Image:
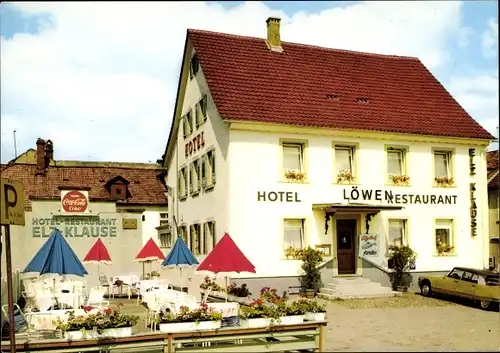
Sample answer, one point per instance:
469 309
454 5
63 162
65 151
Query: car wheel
484 304
425 289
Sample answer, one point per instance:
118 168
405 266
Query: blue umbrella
180 256
57 258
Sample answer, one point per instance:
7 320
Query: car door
466 285
447 285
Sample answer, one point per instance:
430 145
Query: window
163 219
209 237
195 178
293 157
208 170
456 273
344 163
183 182
395 161
165 240
442 164
444 236
194 66
195 239
293 233
397 232
188 124
201 111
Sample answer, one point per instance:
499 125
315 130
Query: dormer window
118 188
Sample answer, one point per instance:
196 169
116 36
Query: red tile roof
320 87
493 171
145 187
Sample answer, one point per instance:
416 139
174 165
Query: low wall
376 274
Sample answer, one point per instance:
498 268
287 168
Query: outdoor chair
96 296
21 324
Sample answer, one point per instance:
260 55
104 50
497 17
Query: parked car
481 286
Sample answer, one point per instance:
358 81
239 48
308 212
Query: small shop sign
369 245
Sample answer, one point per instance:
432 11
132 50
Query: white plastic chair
96 296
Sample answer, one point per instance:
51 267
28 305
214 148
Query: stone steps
351 287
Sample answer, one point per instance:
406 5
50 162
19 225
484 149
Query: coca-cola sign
75 202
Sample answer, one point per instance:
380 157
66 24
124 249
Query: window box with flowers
345 176
399 179
295 176
201 318
314 311
293 253
98 322
444 182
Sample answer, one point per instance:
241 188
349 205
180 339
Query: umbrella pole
226 289
143 265
181 277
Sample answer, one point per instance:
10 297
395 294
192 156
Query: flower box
75 335
291 320
117 332
315 316
189 326
255 322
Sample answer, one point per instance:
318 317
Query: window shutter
190 179
198 171
179 184
204 107
203 171
184 130
213 167
195 114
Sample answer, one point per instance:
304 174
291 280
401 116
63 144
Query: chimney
40 157
273 34
49 153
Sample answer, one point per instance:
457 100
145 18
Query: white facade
249 159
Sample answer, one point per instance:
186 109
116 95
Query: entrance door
346 230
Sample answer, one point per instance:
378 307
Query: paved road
445 328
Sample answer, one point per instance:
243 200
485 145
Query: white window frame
402 160
351 150
163 218
447 160
293 224
447 224
165 240
195 239
182 231
187 125
300 147
209 170
194 178
201 111
183 183
403 223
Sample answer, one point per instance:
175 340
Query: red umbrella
150 252
226 258
98 254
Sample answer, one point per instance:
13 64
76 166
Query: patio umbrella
180 256
98 254
56 257
226 258
150 252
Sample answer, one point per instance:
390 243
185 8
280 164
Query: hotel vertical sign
472 192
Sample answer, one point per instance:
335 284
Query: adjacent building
493 194
124 204
286 145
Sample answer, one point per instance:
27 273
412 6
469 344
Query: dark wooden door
346 232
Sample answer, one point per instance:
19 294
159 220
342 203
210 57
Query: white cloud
479 97
101 80
490 39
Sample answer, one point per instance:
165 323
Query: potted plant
314 311
345 175
399 179
154 274
289 252
209 284
444 249
401 258
311 280
290 314
444 181
111 322
74 327
258 314
240 292
296 175
201 318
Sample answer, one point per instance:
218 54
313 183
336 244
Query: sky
99 79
